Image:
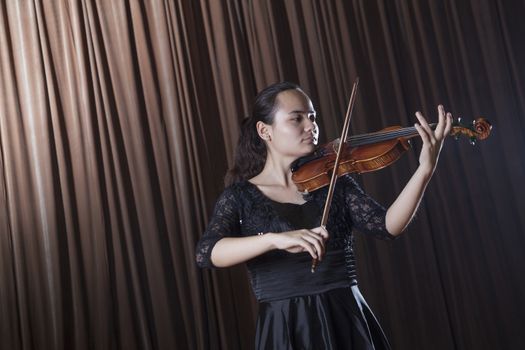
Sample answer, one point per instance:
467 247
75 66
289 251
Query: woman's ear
264 131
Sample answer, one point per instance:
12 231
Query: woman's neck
276 172
275 182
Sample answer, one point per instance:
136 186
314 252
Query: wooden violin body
368 152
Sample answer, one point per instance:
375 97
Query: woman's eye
300 117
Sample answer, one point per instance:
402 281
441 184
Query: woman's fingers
448 125
309 248
321 230
311 241
440 128
424 126
316 241
422 133
433 139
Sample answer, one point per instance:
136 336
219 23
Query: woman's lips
309 139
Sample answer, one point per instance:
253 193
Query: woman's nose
310 125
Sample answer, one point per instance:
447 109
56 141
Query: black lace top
243 210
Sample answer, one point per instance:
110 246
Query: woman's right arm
231 251
222 245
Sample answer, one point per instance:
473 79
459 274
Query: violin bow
333 179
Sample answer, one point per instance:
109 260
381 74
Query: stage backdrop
118 120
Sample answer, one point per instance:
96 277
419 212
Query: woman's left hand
432 139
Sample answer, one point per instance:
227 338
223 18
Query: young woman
262 219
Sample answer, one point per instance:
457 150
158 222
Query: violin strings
380 136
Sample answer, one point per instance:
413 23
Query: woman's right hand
311 241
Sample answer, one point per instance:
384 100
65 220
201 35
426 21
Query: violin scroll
478 130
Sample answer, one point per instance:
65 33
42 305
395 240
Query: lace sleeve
223 223
368 216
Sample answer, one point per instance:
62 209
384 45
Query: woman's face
294 132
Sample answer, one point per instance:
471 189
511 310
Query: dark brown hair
250 154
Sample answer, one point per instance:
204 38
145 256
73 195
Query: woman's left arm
401 212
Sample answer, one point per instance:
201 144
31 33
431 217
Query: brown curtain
118 120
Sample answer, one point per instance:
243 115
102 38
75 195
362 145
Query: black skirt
336 319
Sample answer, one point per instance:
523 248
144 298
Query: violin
369 152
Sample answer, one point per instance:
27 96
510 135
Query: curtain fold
118 121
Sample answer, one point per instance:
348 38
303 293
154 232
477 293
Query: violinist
261 219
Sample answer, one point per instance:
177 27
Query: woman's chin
311 147
306 151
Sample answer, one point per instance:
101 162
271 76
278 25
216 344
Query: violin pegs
456 137
473 141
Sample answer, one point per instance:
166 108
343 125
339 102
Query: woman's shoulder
238 186
237 189
239 196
